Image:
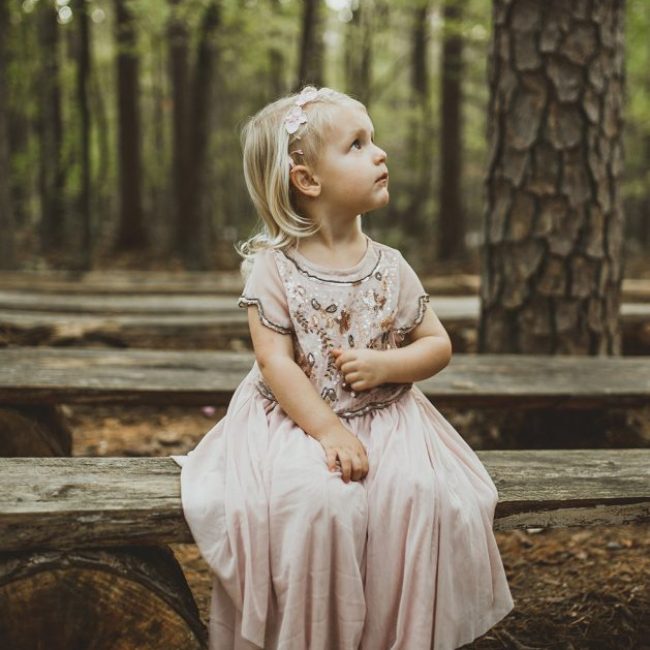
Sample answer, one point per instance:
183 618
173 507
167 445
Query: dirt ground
573 588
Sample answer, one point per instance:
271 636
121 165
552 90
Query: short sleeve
412 299
265 290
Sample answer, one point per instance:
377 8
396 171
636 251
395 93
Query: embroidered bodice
373 304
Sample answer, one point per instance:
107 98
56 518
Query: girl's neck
343 253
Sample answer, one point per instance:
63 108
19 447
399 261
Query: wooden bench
63 503
91 526
225 282
208 321
34 381
85 375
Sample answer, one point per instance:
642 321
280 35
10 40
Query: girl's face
351 168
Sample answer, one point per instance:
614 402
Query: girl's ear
303 180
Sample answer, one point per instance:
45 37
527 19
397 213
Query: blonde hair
266 146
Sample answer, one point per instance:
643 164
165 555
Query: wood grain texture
83 375
144 283
60 503
117 599
190 322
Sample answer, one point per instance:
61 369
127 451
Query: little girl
336 507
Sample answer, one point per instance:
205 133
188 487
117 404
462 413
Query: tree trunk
276 56
178 70
131 233
645 218
358 52
83 74
103 201
7 222
50 131
421 126
193 228
553 227
451 219
311 46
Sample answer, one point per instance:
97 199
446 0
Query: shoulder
390 254
260 265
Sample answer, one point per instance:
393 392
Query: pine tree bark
131 232
552 264
451 219
7 222
50 134
311 46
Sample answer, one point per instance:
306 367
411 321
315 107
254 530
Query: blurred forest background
122 122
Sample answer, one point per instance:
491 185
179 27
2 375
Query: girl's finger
331 460
346 468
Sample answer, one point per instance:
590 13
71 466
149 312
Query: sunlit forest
122 122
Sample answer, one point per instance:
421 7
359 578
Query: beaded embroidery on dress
403 559
329 312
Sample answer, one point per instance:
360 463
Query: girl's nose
381 154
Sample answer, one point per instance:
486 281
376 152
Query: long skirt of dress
404 559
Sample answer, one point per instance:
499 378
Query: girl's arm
426 354
302 403
292 388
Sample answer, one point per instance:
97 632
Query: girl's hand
361 369
344 448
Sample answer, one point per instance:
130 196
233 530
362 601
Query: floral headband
297 116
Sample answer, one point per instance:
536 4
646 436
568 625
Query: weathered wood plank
96 283
118 304
84 375
30 306
57 503
208 321
122 282
225 282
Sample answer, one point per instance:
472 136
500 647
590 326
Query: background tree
50 133
193 232
451 219
178 40
277 59
311 45
552 264
131 232
7 223
358 51
83 74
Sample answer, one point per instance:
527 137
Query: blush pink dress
404 559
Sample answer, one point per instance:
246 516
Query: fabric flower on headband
296 115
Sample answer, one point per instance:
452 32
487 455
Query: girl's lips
383 177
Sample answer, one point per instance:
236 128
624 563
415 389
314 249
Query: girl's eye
355 142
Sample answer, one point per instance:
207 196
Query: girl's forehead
347 121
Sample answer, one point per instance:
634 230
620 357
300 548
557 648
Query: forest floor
573 588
